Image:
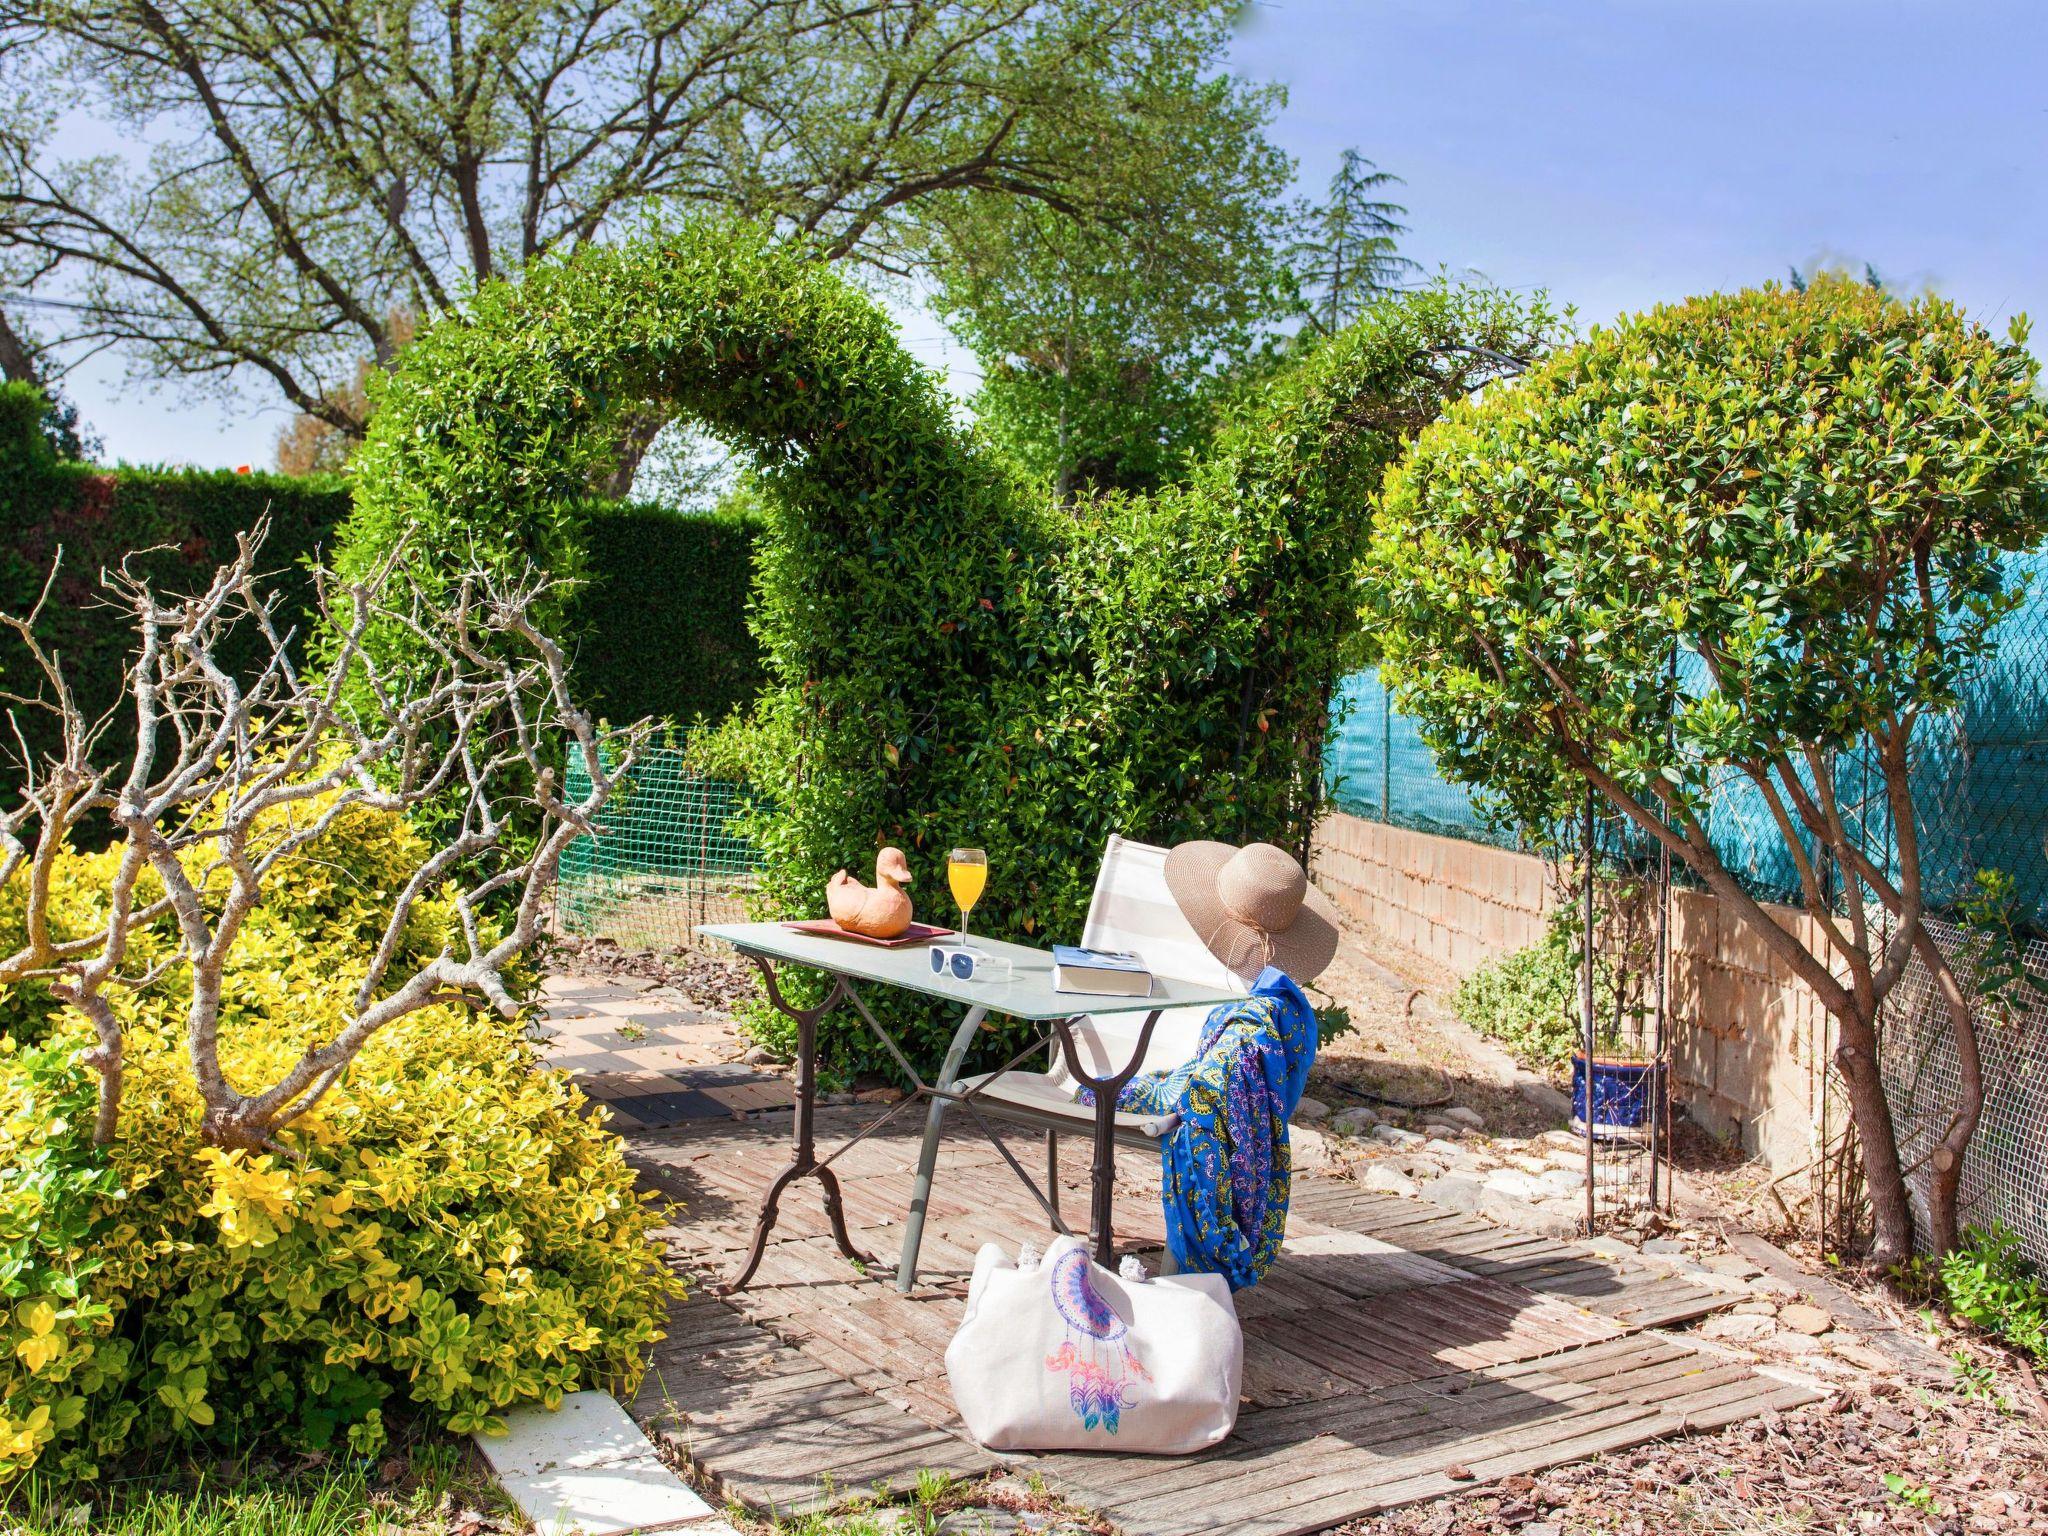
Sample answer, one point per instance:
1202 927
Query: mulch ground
1959 1466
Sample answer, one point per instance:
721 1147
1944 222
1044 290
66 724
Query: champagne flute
967 874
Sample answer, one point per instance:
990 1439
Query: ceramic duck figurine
881 913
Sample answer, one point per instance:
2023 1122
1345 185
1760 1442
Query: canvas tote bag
1058 1354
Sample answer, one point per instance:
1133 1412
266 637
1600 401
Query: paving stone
1450 1151
1558 1184
1785 1342
588 1468
1664 1248
1612 1247
1394 1136
1864 1358
1802 1318
1733 1264
1735 1329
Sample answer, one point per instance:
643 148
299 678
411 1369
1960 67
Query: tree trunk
1891 1212
17 363
643 425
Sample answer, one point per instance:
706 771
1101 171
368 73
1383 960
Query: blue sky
1614 153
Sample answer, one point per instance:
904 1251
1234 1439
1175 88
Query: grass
431 1486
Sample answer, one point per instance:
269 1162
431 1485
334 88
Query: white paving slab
588 1470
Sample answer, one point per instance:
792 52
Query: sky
1615 154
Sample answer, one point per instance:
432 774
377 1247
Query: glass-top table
1025 993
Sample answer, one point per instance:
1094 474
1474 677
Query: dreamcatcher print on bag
1101 1370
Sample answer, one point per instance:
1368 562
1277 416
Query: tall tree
1347 252
291 174
1107 334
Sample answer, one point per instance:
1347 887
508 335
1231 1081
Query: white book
1105 972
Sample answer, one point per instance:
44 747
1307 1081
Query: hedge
661 622
660 627
177 525
952 658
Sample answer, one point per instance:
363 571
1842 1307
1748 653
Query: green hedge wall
186 520
660 628
953 659
661 622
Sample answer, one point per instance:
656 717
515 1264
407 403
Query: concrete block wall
1745 1032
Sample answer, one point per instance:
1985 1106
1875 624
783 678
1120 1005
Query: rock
756 1056
1450 1151
1355 1122
1733 1264
1515 1186
1546 1219
1311 1111
1389 1180
1612 1248
1737 1329
1441 1128
1864 1358
1756 1309
1394 1136
1785 1342
1456 1192
1471 1119
1664 1247
1802 1318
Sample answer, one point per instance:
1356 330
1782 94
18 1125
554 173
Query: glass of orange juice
967 874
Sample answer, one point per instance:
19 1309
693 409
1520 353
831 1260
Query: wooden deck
1394 1346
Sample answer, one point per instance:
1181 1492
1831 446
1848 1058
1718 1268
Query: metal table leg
928 1154
804 1161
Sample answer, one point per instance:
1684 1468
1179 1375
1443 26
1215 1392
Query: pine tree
1348 252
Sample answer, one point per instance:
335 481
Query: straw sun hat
1253 907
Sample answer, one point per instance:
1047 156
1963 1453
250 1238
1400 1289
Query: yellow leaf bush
448 1233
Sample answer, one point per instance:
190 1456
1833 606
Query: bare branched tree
231 777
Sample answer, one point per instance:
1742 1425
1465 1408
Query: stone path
650 1055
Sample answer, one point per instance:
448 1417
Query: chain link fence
667 856
2005 1173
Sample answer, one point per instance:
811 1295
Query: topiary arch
953 658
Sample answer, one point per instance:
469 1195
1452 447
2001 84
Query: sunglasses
967 964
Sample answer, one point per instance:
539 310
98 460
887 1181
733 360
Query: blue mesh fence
1980 777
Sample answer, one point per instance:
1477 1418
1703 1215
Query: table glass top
1027 993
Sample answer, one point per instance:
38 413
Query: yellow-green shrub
448 1230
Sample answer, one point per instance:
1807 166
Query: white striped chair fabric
1133 911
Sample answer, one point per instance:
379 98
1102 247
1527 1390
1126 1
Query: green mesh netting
1980 777
666 858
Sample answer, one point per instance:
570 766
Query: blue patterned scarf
1224 1168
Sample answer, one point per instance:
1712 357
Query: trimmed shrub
661 624
175 526
953 659
447 1234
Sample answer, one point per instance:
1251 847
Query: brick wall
1744 1031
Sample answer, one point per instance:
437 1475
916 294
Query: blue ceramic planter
1625 1094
